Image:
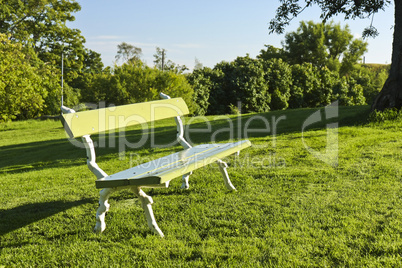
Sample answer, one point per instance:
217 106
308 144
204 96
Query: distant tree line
35 41
318 63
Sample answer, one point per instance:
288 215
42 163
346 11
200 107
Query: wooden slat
95 121
169 167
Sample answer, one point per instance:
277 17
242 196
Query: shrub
136 82
203 81
386 115
242 81
278 75
23 90
304 81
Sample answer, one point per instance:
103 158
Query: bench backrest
105 119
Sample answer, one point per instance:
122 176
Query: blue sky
211 31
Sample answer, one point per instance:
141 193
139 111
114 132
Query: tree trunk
391 93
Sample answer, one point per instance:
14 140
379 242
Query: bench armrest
180 127
66 110
164 96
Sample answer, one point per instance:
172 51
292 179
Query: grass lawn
290 209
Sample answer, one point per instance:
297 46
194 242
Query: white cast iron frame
146 201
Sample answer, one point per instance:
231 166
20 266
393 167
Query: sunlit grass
290 209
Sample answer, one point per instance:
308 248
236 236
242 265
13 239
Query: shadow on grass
61 153
37 155
274 123
19 217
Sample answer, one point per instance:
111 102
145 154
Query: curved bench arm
89 146
180 127
66 110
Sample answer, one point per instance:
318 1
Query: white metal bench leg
146 202
102 209
185 178
222 168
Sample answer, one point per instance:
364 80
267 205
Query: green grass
290 209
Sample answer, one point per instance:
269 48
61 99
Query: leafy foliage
316 66
324 45
278 76
128 53
219 90
242 81
23 91
307 44
162 63
305 80
392 114
289 9
272 52
131 83
39 28
390 94
203 81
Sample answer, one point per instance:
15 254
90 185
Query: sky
210 31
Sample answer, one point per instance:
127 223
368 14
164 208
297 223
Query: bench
155 174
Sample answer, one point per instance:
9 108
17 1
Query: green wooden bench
154 174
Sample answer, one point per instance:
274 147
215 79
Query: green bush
305 82
241 81
135 82
203 81
278 75
386 115
25 82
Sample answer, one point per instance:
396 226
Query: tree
128 53
38 22
354 53
271 52
307 44
324 45
40 27
132 83
305 80
321 94
41 24
24 81
278 76
242 81
391 93
162 63
197 64
201 79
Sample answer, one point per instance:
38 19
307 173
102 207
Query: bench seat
164 169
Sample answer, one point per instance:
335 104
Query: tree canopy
320 44
352 9
25 82
41 24
162 63
36 34
128 53
391 94
316 65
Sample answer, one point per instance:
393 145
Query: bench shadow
62 153
19 217
37 155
